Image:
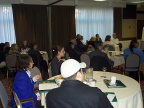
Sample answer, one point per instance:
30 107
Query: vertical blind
7 31
91 21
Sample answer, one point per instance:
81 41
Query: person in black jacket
58 54
7 48
73 93
37 58
98 39
72 52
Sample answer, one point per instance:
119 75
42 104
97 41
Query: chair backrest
35 71
85 58
90 49
17 101
3 96
11 62
110 47
132 62
98 62
50 71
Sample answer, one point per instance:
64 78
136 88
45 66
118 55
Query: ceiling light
99 0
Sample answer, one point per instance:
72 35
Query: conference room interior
55 22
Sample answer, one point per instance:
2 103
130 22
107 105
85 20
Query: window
91 21
7 31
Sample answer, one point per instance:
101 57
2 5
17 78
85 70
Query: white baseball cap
70 67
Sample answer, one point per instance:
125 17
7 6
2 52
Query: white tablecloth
118 60
129 97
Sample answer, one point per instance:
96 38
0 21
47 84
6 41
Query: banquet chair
98 62
90 49
110 47
132 64
50 71
35 71
19 102
3 96
85 58
11 63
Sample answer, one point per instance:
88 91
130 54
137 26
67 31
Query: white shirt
29 74
115 41
109 43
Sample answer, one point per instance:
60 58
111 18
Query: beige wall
129 28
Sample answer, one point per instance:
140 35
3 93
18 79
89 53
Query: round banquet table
129 97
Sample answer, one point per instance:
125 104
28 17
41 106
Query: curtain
63 24
91 21
7 32
31 24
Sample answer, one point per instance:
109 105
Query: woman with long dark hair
133 48
58 54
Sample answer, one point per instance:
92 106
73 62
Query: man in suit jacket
73 93
98 52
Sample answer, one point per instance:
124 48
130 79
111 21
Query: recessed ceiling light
99 0
140 1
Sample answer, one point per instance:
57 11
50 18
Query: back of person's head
93 38
32 45
57 49
99 44
12 49
108 37
73 41
133 44
72 70
24 62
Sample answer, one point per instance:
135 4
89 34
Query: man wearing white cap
73 93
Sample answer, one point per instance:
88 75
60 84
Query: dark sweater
55 66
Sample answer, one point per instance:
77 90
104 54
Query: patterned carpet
8 85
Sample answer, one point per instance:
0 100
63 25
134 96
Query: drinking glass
104 69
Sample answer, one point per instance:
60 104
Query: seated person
2 56
7 48
133 48
24 46
115 40
82 40
71 51
14 50
37 58
92 41
58 54
73 93
80 45
98 52
108 42
23 83
98 39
